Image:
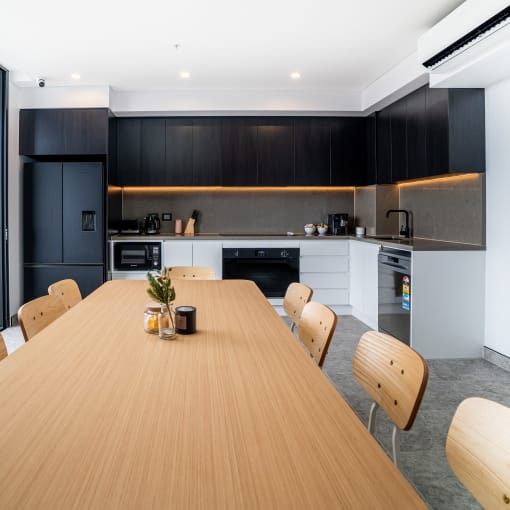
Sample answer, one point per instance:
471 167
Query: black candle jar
186 320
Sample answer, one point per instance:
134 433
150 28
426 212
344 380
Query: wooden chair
191 273
315 329
67 290
35 315
3 349
478 450
395 376
295 299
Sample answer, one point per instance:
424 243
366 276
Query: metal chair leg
371 417
395 441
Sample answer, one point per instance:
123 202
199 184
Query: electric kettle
152 224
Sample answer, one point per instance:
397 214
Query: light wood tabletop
95 413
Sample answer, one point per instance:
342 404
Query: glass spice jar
150 318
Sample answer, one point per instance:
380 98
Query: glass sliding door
4 290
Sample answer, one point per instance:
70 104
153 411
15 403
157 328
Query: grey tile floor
422 448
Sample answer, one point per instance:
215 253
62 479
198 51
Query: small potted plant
161 290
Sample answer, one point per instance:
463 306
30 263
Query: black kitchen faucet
404 229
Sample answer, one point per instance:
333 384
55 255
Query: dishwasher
394 293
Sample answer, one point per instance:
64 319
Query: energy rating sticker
406 303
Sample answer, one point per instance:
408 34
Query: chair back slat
191 273
67 290
3 349
393 374
315 329
35 315
296 297
478 450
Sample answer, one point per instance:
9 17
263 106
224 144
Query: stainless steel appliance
338 224
136 256
272 269
395 293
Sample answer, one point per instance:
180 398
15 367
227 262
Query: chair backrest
35 315
478 450
393 374
295 299
315 329
3 349
191 273
67 290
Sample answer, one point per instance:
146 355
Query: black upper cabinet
178 152
417 134
398 114
239 148
275 152
455 130
348 151
312 152
64 132
207 160
370 175
152 148
383 144
129 141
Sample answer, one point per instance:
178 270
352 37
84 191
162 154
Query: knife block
190 228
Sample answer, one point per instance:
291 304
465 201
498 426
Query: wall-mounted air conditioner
470 47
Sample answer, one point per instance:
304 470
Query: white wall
497 301
14 201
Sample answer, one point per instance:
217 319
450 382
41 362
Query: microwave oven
136 256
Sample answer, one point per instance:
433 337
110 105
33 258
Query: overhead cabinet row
249 151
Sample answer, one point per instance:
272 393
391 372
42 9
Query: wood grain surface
95 413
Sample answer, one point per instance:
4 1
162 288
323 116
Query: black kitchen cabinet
417 133
239 149
275 152
383 144
63 225
207 153
455 131
370 175
312 145
178 152
348 151
129 144
63 132
398 119
152 151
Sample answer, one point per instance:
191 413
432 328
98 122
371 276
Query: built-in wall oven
272 269
132 259
395 293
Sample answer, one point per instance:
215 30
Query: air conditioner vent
487 28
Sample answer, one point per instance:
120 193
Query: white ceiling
225 44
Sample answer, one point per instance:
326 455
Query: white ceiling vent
470 47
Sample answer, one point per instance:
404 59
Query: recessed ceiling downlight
75 76
185 74
295 75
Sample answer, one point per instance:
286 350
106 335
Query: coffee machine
338 224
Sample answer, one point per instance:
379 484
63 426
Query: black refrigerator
63 225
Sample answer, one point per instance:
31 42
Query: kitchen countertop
413 244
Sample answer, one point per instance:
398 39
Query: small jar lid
151 307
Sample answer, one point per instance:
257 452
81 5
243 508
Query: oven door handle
384 264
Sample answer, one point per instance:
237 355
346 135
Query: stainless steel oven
136 256
395 293
272 269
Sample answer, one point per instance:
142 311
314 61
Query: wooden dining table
96 413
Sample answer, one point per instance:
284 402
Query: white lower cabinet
364 282
177 253
324 266
209 253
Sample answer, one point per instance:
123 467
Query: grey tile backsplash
442 209
223 211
